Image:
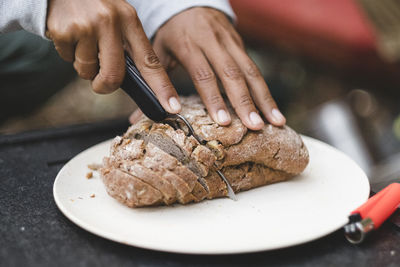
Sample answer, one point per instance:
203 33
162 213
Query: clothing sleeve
154 13
29 15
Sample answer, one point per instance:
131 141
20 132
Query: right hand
93 35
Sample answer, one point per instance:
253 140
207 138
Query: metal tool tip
231 194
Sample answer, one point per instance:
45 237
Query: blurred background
332 66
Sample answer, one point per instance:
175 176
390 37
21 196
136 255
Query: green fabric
30 72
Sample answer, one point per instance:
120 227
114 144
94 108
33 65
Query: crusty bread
154 164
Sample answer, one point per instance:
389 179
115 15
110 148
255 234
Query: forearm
153 14
29 15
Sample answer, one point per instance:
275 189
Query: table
33 232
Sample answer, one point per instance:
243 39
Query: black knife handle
137 88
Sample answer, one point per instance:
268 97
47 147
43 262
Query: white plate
310 206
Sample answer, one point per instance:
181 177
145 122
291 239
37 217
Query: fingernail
255 118
223 116
174 104
277 115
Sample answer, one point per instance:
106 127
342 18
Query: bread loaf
157 164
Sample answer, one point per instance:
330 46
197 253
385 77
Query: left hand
204 41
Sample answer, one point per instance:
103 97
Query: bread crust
169 166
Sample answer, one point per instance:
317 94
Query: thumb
135 116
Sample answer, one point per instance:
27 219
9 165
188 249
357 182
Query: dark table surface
33 232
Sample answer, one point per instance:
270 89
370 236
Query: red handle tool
372 213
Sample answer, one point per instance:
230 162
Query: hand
207 45
93 35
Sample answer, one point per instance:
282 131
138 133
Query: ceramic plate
308 207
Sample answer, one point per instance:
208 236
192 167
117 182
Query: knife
137 88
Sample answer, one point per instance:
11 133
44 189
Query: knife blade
140 92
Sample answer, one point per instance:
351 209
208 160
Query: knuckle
130 12
202 75
252 70
53 30
185 45
62 36
70 30
130 17
84 29
244 101
67 34
214 99
232 72
151 61
112 79
107 16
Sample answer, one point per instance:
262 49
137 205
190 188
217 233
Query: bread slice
174 167
175 142
128 189
153 166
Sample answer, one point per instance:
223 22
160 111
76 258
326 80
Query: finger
111 60
204 80
66 50
135 116
86 58
258 87
65 46
235 85
166 59
148 63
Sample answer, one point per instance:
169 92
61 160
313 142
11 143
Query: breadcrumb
89 175
94 166
92 195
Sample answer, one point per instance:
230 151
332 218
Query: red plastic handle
379 207
364 209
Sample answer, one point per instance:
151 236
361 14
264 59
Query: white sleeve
29 15
154 13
